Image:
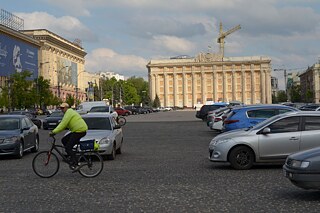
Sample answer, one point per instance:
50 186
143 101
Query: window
261 113
29 122
23 124
98 123
290 124
312 123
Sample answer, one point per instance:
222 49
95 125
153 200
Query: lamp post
58 72
285 79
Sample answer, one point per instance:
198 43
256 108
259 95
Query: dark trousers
69 141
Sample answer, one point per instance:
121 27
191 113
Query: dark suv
203 112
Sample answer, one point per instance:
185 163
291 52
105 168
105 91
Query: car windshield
98 123
9 123
57 114
99 109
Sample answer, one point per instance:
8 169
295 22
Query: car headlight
225 140
10 140
300 164
104 141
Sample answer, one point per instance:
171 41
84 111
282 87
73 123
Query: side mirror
266 130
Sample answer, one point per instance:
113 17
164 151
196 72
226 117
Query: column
203 86
184 87
175 91
165 95
262 86
268 85
194 98
215 83
234 83
243 88
224 85
253 88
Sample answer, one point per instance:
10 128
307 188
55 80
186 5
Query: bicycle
121 120
46 163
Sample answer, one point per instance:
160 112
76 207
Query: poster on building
67 72
17 56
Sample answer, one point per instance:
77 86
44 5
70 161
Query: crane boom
222 36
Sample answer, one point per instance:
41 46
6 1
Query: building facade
274 86
187 82
61 62
310 84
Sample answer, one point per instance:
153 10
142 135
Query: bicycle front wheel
45 164
91 164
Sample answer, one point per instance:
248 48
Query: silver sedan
106 131
269 141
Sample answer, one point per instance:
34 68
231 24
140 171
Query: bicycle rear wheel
45 164
122 121
91 164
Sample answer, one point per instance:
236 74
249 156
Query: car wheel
112 156
36 145
119 151
20 152
241 157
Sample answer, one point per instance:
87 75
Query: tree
296 93
42 92
22 96
70 100
282 96
156 102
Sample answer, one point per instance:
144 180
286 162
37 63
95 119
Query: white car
106 131
217 123
104 109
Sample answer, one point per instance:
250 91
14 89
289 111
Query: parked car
219 117
269 141
303 169
105 109
17 135
86 106
52 120
104 129
33 117
122 111
247 116
133 109
310 107
203 112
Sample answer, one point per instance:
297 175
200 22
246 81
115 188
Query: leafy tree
296 93
309 96
282 96
70 100
156 102
22 95
274 99
42 92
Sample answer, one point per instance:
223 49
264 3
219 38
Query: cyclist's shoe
75 167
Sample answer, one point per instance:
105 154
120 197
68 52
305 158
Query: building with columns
310 84
186 82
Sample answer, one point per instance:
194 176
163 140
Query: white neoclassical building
186 82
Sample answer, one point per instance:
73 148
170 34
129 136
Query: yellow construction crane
222 36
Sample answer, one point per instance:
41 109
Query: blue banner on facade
17 56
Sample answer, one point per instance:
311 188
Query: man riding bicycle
78 129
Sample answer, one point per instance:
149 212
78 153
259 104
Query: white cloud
66 26
104 59
173 44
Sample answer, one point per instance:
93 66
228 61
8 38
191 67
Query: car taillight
224 117
217 119
230 121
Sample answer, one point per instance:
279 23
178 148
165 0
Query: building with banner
209 77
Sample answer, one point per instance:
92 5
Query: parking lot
164 168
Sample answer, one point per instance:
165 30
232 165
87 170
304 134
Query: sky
122 36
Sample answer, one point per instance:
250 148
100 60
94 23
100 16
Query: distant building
186 82
274 86
110 75
310 84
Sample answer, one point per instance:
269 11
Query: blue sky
123 35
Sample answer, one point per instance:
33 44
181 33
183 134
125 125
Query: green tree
309 96
42 92
70 100
282 96
22 94
274 99
296 93
156 102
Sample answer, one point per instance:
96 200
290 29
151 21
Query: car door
283 139
117 132
27 134
310 133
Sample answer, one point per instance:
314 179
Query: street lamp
285 79
58 72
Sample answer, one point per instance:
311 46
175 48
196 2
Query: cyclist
78 129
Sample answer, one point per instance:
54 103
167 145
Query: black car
52 120
303 169
17 135
203 112
32 116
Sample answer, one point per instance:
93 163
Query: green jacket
73 121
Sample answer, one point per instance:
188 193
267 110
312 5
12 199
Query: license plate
52 124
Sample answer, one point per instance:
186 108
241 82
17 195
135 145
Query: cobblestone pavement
164 168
